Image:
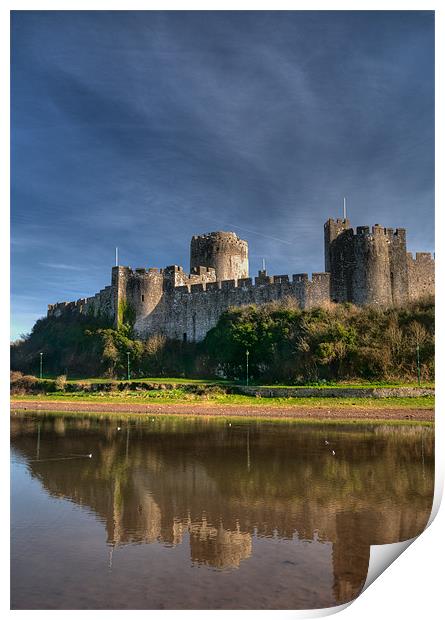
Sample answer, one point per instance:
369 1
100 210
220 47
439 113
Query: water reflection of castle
209 544
221 488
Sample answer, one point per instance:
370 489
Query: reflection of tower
248 450
219 547
117 512
151 518
350 552
139 518
38 441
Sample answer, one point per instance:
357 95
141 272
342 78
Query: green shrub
22 384
60 383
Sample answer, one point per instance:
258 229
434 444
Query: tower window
143 297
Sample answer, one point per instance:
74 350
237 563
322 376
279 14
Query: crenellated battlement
260 281
421 257
138 272
378 230
222 237
98 303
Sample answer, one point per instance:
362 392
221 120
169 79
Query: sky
140 129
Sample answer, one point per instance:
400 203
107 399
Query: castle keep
363 266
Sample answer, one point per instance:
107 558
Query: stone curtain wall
398 264
188 312
101 303
420 275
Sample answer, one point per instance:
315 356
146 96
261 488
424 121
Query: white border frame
413 585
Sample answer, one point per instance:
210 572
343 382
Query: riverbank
186 389
419 409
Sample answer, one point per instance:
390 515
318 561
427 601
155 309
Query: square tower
332 229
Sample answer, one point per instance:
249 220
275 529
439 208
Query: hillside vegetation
285 344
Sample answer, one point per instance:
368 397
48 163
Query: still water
173 513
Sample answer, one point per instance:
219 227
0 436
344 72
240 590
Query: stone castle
363 266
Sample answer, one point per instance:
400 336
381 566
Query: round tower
371 279
224 251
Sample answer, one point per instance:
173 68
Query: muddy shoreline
354 412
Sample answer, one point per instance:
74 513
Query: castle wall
223 251
189 312
420 275
398 265
100 304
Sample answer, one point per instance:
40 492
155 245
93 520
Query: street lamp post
128 365
247 366
41 365
418 363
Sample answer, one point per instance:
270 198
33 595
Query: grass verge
178 396
183 381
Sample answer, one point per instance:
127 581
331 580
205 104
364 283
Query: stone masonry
363 266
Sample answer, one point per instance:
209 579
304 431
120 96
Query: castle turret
368 267
332 229
371 271
224 251
119 282
136 293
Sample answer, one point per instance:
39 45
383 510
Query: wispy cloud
63 266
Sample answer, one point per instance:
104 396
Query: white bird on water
333 452
118 428
326 442
90 456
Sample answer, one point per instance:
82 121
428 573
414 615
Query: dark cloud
139 129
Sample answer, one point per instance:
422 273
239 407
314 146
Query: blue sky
140 129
